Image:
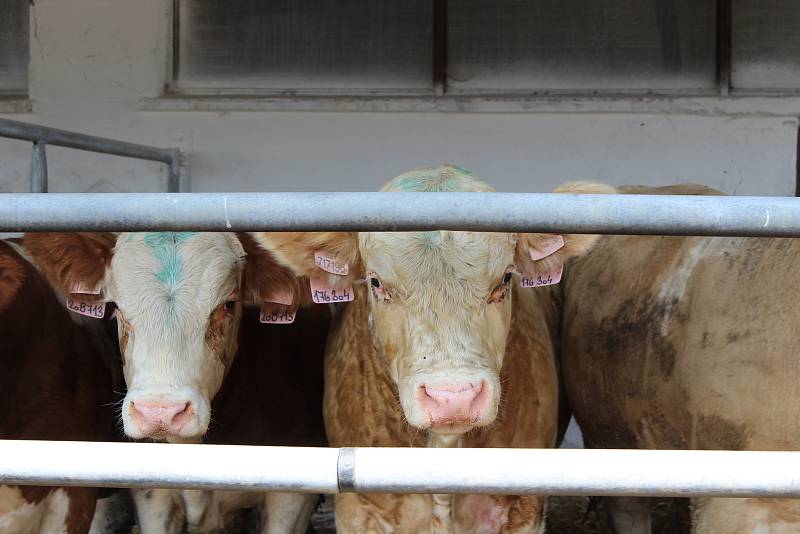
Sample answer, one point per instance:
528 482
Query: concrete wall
93 61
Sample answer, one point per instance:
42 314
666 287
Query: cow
439 321
57 383
687 343
192 348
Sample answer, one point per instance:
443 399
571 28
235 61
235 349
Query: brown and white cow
438 325
193 354
56 384
688 343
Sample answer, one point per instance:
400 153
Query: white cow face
178 313
440 302
178 298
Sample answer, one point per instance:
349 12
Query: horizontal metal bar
52 136
139 465
491 212
578 472
404 470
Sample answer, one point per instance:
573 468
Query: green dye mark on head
166 248
444 178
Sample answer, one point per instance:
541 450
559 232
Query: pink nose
450 404
158 418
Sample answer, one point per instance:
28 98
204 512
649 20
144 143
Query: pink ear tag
90 309
322 292
547 247
274 313
550 278
81 289
328 262
285 297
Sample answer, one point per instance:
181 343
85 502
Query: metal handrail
403 470
489 212
41 136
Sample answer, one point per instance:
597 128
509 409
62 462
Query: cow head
178 298
439 302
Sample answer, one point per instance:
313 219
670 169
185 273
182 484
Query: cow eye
378 289
229 304
500 291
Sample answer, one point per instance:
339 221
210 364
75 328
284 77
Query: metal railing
41 136
491 212
403 470
511 471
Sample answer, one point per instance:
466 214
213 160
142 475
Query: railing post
38 178
178 178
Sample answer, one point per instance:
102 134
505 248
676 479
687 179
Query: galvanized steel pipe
177 176
53 136
139 465
578 472
489 212
403 470
38 177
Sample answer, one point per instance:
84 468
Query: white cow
179 307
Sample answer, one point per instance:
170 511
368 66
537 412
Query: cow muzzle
456 407
162 419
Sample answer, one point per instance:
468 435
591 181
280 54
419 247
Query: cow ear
546 253
265 279
300 252
73 262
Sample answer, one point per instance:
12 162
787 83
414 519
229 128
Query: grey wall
93 61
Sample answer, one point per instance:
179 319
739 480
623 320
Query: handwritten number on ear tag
542 279
78 305
272 313
322 292
328 262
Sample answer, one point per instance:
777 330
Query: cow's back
677 342
688 343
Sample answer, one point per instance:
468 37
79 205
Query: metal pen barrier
487 212
403 470
41 136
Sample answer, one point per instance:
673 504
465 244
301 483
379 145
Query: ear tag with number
328 262
547 247
550 278
81 289
285 297
79 305
322 292
275 313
